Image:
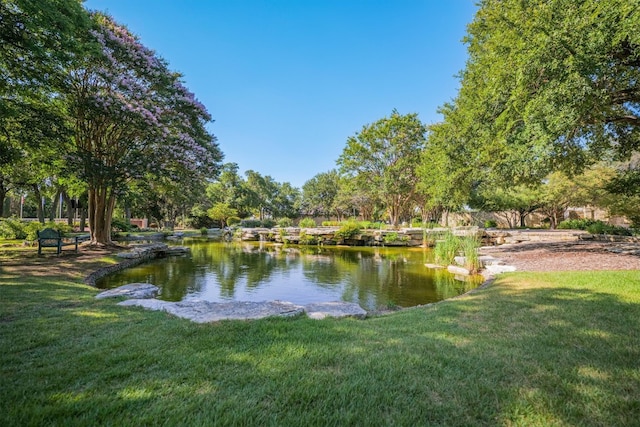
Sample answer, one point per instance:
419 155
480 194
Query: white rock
497 269
460 260
433 266
131 290
334 309
488 260
205 311
454 269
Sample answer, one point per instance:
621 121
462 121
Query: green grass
531 349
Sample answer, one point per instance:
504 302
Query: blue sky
287 82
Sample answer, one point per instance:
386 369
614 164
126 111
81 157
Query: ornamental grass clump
446 248
469 246
449 246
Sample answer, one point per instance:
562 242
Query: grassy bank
532 349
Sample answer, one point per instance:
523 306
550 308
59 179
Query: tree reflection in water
372 277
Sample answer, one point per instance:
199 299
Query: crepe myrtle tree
132 116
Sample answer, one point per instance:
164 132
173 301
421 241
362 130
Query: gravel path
568 255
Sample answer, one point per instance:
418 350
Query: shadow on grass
524 351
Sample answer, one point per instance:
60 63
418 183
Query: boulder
457 270
334 309
486 260
497 269
176 250
131 290
434 266
129 255
205 311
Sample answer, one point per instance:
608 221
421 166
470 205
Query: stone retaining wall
328 236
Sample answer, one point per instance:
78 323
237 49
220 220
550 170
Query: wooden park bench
50 238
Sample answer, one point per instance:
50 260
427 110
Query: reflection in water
373 277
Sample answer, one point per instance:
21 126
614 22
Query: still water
372 277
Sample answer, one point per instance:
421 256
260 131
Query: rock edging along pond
329 236
142 294
137 255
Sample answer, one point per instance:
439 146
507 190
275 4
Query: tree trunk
3 195
553 219
54 205
39 207
394 212
67 201
101 204
523 215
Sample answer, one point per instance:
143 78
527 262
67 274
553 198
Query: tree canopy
383 158
81 96
549 84
132 116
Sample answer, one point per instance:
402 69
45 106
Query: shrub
285 222
365 225
390 237
119 224
490 223
368 225
394 237
348 229
250 223
283 236
32 229
268 223
576 224
307 239
599 227
233 220
331 223
204 231
13 228
307 223
593 227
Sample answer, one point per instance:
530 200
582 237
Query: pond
375 278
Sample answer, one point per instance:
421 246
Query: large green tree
38 42
231 188
550 85
319 194
512 203
447 169
383 158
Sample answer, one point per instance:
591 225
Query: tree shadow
506 355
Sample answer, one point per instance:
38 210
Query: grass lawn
531 349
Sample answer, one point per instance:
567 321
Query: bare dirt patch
566 256
67 264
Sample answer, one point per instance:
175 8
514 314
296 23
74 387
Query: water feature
373 277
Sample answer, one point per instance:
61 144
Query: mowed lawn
530 349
